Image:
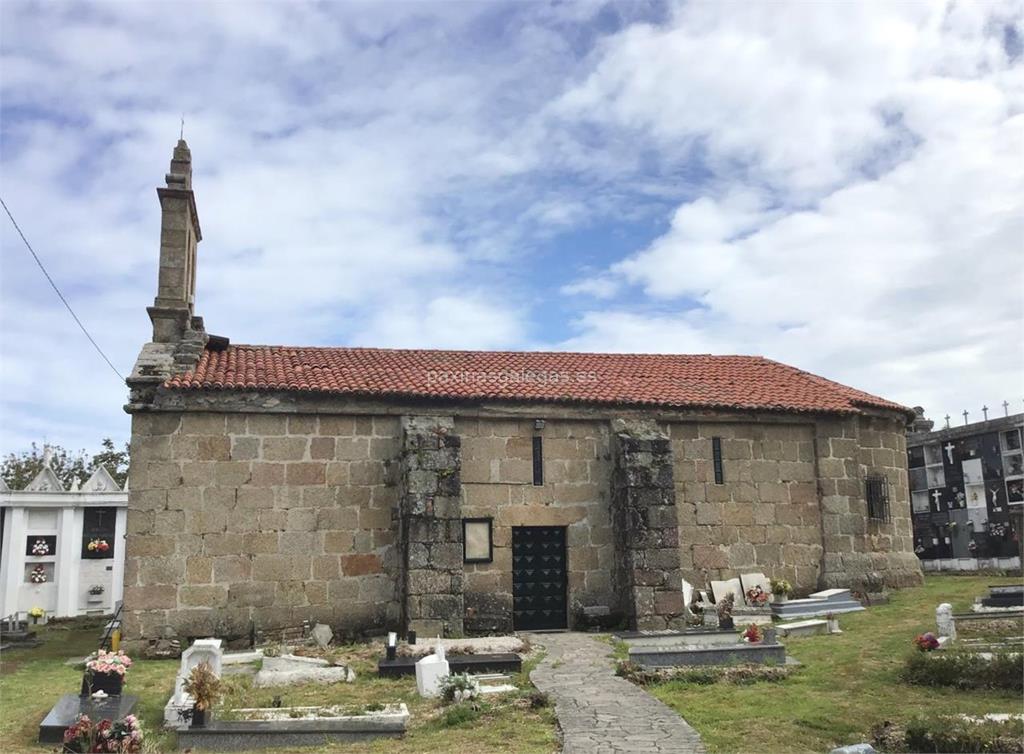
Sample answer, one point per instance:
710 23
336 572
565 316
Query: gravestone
287 670
429 672
721 588
202 650
1004 596
70 706
944 620
687 595
750 581
322 635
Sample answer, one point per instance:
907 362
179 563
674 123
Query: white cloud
839 185
908 283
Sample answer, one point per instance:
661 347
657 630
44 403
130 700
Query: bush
965 670
459 715
950 734
538 699
459 687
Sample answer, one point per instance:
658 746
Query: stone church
461 491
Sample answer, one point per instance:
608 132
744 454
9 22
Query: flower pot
726 624
781 599
198 718
35 620
109 683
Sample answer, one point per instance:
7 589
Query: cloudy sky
838 186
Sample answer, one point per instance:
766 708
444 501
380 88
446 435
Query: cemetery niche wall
62 550
967 493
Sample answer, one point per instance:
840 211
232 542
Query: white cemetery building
62 550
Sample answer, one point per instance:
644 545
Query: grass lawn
847 684
32 680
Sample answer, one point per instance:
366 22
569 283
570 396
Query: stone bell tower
174 306
179 337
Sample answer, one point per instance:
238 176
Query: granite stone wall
646 530
847 451
269 518
497 481
276 518
764 517
430 528
793 501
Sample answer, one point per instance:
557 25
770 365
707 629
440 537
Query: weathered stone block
151 597
203 596
285 448
361 564
251 594
297 474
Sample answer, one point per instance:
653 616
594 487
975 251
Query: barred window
876 492
716 457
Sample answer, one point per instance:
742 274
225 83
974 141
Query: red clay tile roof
726 382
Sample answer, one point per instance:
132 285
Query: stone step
803 628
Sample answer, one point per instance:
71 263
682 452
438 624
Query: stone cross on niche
947 421
948 447
984 410
965 417
936 496
1006 408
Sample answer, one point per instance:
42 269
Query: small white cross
936 496
949 451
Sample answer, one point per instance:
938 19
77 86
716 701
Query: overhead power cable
57 291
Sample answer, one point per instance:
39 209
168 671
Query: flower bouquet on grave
105 671
97 546
40 548
781 589
926 642
124 736
757 597
36 613
204 687
96 590
724 610
37 575
753 634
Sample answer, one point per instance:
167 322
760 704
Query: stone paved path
601 713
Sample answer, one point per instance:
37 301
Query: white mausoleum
63 550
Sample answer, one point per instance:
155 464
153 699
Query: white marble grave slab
721 588
831 594
750 581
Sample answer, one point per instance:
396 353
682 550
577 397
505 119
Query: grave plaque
721 588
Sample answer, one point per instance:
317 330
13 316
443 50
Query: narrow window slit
538 461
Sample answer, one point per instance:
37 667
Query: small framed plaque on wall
477 544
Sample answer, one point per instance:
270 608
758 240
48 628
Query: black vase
109 683
726 623
198 718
